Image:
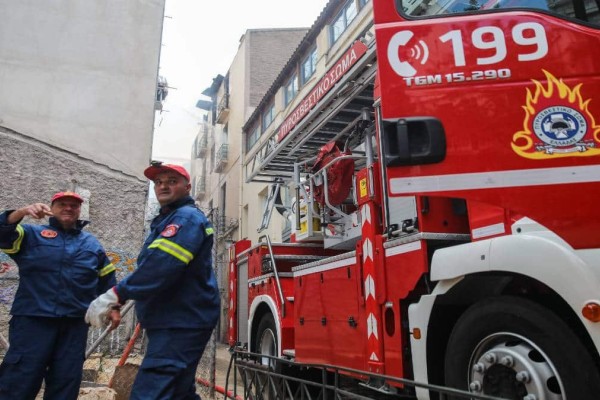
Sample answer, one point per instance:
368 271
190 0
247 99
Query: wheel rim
267 346
511 366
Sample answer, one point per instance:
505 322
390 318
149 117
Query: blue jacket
60 272
174 285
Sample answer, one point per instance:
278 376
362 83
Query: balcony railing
200 187
221 157
224 225
202 145
223 109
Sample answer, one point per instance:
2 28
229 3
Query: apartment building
321 91
218 150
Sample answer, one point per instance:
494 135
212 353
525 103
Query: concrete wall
34 171
81 75
269 52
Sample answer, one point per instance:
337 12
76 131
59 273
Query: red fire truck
449 230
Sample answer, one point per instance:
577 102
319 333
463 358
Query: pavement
99 371
222 364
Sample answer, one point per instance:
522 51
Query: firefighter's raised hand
35 210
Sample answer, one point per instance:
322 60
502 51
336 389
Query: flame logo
557 123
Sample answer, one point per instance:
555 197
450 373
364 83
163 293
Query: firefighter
175 290
61 270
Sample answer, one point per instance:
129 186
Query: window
343 19
586 10
309 64
253 138
291 88
267 117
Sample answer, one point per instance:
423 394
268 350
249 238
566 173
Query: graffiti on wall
124 261
6 264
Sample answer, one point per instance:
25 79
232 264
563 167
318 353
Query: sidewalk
223 357
96 387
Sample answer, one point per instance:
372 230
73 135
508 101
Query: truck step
289 353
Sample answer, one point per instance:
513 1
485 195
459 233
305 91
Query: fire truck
446 210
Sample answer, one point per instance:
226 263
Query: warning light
416 333
591 311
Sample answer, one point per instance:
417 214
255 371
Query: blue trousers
168 370
43 349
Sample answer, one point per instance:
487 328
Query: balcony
224 225
202 145
221 157
162 90
200 187
221 223
223 109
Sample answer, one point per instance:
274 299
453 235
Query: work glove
99 309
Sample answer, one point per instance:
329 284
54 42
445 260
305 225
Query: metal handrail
323 172
107 330
276 275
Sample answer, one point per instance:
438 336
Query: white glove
97 312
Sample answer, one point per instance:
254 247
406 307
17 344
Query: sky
200 40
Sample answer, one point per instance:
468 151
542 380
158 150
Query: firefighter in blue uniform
175 290
61 270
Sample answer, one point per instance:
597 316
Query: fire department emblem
170 230
560 128
557 123
49 233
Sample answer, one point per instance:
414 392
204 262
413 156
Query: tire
266 339
266 344
514 348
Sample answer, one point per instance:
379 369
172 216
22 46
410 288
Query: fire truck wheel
266 339
516 349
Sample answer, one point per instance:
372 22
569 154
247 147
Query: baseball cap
72 195
157 167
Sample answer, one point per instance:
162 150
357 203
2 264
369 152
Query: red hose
219 389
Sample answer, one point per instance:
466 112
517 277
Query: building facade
218 150
77 106
298 104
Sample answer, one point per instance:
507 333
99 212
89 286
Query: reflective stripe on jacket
60 272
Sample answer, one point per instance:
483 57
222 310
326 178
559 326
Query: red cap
156 169
72 195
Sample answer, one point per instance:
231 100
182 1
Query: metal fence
272 378
206 371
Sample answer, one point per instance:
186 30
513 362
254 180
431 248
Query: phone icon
404 68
